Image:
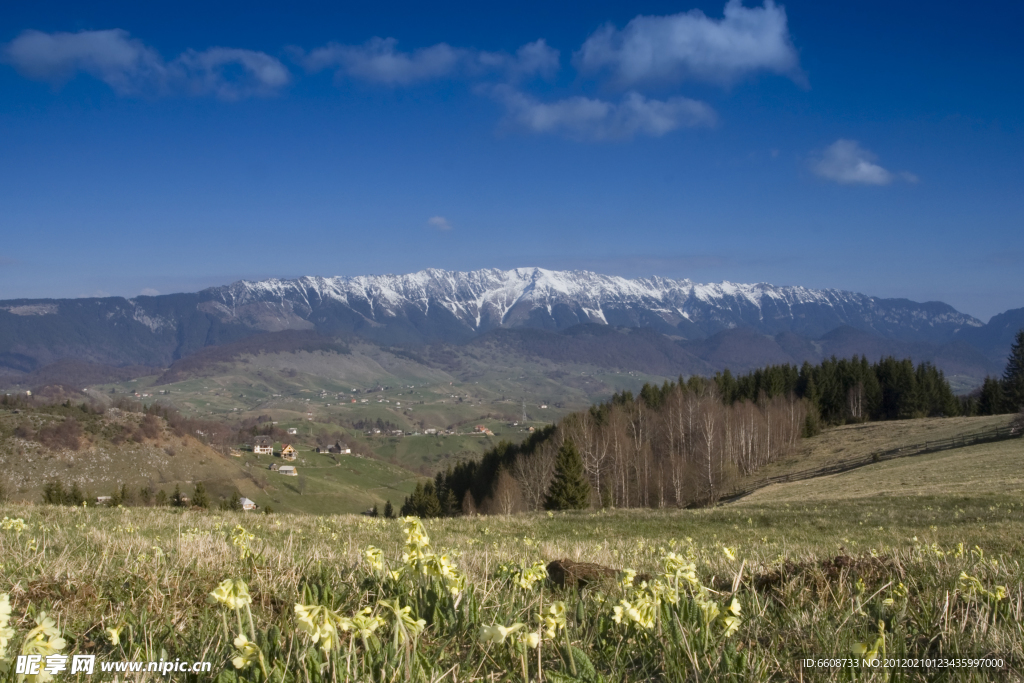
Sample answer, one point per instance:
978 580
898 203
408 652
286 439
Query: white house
288 470
263 445
293 431
248 504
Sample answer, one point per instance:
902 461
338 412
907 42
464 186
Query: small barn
248 504
288 470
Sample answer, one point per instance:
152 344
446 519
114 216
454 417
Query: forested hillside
681 443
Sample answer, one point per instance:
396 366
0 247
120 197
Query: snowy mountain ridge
484 299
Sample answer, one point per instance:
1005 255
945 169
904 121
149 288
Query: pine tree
232 504
177 500
199 497
161 498
990 402
389 510
570 489
1013 376
75 496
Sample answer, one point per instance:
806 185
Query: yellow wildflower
44 640
495 633
247 653
404 623
553 618
232 593
115 634
374 557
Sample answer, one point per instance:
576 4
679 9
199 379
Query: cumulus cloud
132 68
690 45
379 61
440 222
585 118
847 163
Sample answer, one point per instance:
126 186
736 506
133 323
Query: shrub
66 434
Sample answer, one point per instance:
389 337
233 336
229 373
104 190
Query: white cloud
149 291
847 163
440 222
379 61
131 68
122 62
585 118
668 49
231 73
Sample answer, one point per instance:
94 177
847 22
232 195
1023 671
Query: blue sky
168 147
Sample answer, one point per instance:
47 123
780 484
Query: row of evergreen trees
56 493
851 390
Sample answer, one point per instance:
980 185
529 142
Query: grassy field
849 442
915 558
995 468
326 484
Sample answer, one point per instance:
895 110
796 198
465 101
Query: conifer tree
990 402
177 500
161 498
75 496
199 497
1013 376
389 510
570 489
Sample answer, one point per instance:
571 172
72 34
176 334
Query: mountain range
694 327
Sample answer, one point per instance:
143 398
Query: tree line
684 442
55 492
842 391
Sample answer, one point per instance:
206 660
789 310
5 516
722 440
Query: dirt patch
870 569
567 573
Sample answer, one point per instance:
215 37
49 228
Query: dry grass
848 442
992 468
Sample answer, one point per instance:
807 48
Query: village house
263 445
274 467
288 452
338 448
248 504
288 470
293 431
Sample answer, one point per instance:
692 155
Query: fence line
960 441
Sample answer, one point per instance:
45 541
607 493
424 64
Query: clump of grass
744 593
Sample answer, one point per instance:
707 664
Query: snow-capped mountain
466 303
439 306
